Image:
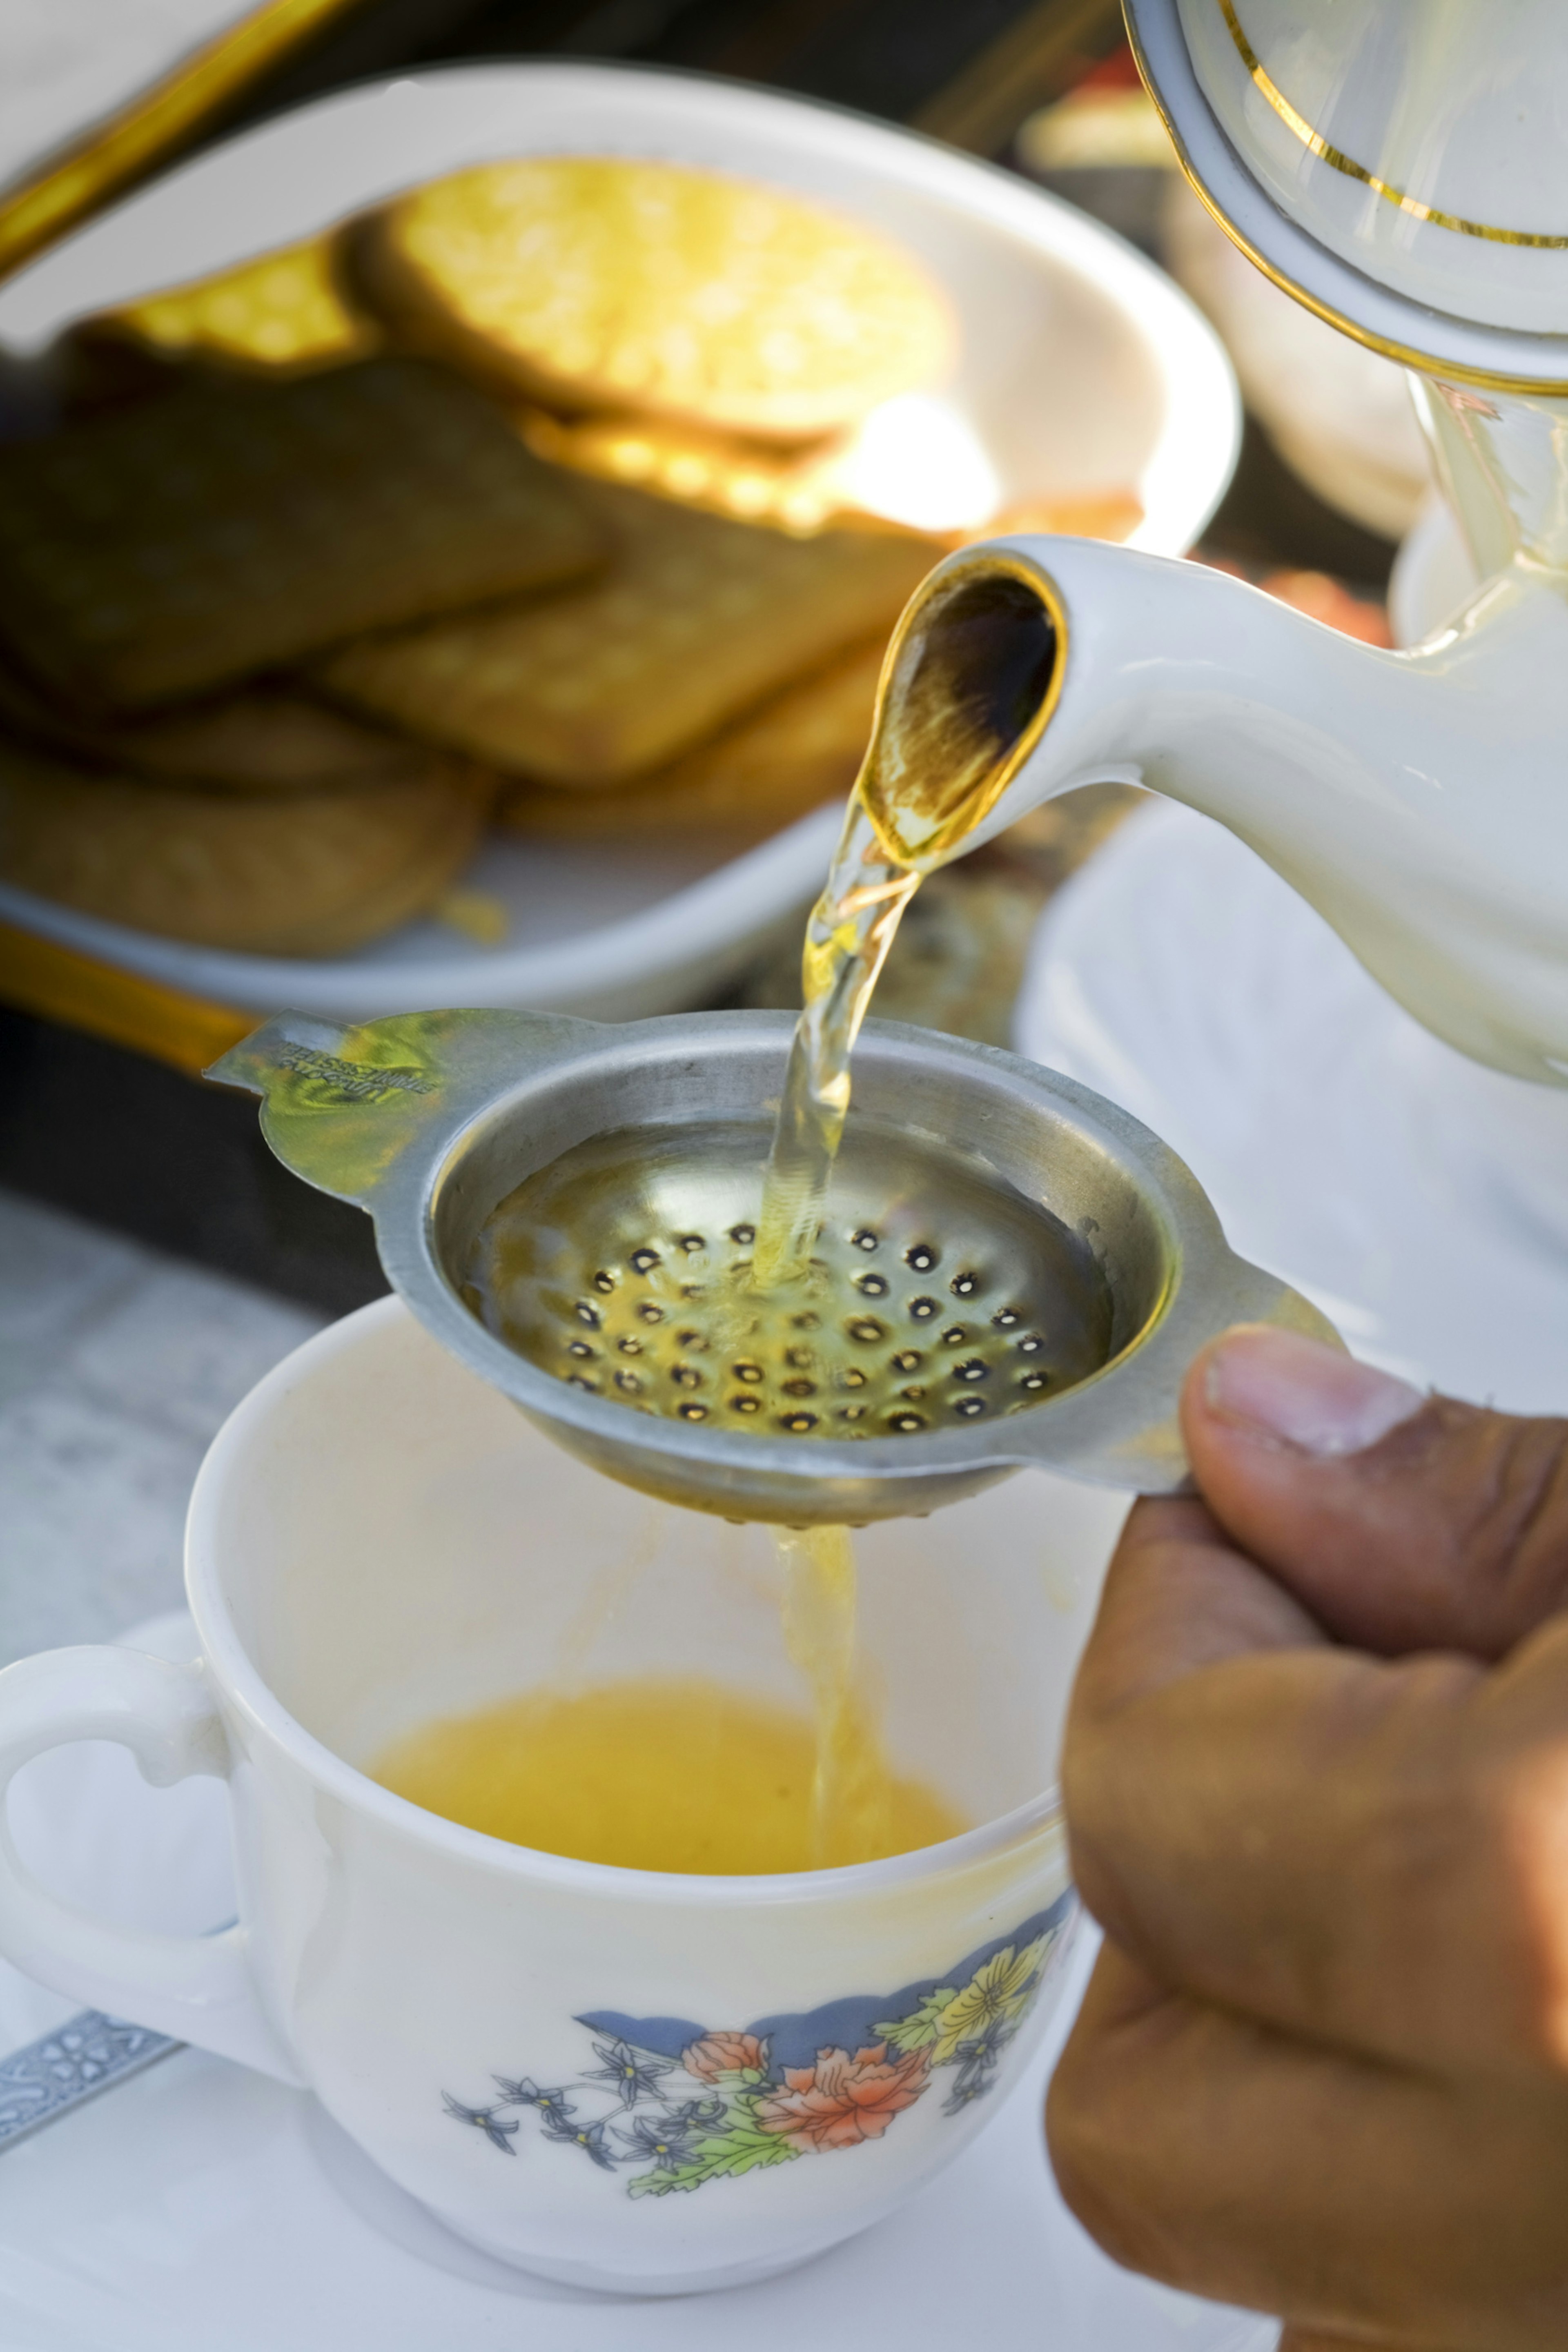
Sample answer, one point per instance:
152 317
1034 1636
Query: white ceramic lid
1401 166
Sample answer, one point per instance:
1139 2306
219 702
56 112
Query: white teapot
1398 165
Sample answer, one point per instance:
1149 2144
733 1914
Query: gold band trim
1341 161
32 215
1410 355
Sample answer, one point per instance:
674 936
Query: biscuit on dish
694 619
282 313
802 748
594 282
228 527
314 875
266 736
799 490
791 488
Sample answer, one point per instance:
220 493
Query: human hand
1316 1779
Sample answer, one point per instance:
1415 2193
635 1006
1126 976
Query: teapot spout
1416 799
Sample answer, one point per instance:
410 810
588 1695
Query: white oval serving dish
1079 367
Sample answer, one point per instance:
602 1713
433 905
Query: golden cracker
797 490
268 737
694 620
228 527
802 748
802 490
283 313
316 875
602 282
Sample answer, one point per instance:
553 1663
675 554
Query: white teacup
617 2078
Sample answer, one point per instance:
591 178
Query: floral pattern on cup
672 2105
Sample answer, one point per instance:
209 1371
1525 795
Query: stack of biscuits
509 501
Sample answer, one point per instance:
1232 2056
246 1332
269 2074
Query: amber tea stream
952 720
651 1266
705 1301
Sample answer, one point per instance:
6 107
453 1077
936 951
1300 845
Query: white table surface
117 1366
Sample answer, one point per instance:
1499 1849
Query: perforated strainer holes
805 1373
626 1268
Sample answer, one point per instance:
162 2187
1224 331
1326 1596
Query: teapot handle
196 1989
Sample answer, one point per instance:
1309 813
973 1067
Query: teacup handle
198 1989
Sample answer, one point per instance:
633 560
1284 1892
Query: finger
1237 2163
1178 1596
1400 1521
1362 1851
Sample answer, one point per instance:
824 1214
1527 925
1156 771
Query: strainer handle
343 1102
1122 1428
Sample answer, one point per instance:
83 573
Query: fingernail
1305 1393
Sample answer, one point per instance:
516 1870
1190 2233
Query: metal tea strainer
1009 1270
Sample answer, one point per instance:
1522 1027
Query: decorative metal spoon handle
91 2053
88 2054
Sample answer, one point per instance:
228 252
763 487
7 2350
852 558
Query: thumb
1400 1521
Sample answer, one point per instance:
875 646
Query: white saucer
198 2204
1080 367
